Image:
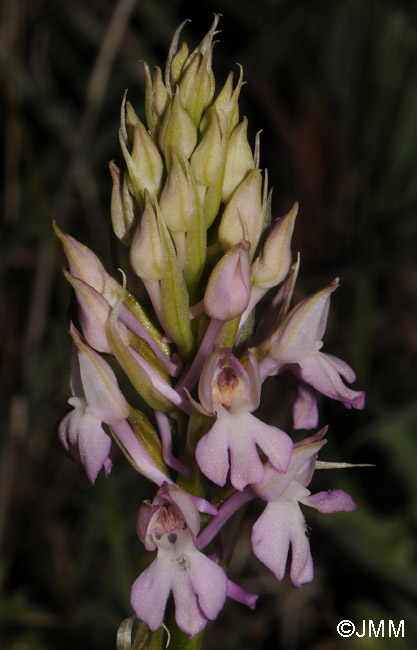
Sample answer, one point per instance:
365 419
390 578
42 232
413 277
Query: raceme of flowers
193 207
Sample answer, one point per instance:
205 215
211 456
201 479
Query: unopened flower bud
197 81
274 261
208 159
177 64
178 201
86 266
239 159
144 164
156 100
147 159
94 312
146 250
243 216
123 206
177 130
227 102
228 288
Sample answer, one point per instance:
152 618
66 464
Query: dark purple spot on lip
172 538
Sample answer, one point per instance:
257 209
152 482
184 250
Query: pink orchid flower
232 392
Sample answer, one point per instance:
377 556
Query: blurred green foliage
333 85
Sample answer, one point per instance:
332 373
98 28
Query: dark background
333 85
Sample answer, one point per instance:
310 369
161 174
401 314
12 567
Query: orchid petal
211 453
331 501
185 505
305 412
99 383
302 328
342 367
209 583
188 615
318 371
150 593
246 466
276 444
275 483
281 524
93 445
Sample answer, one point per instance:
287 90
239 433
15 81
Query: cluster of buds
193 206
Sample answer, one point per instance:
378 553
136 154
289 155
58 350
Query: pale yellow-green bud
131 120
227 102
146 256
274 261
147 159
239 159
179 198
156 99
177 130
208 159
177 64
197 86
243 216
123 207
197 79
143 161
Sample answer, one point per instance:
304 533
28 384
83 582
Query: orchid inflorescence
193 206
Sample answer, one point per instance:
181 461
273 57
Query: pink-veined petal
150 593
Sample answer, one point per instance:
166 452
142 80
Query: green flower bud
197 86
146 157
208 159
239 160
177 64
156 100
177 130
123 207
274 261
243 216
227 102
179 199
144 164
146 257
